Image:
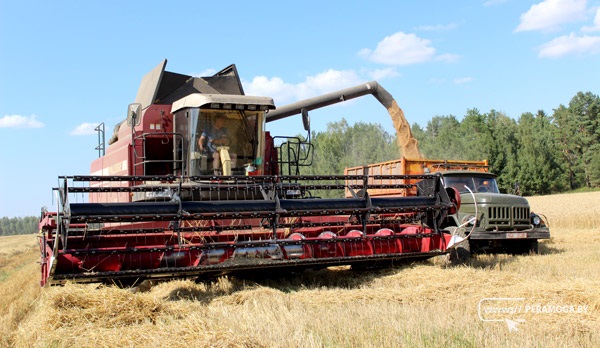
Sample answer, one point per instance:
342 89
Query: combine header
193 186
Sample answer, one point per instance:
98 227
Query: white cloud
283 92
596 26
18 121
380 74
273 87
462 80
85 129
365 52
548 15
204 73
328 81
400 49
570 44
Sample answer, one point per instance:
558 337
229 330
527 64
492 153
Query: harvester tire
461 253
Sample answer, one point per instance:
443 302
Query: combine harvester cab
161 204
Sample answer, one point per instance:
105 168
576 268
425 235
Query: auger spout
406 142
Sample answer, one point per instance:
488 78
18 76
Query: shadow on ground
342 277
491 260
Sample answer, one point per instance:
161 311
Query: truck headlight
536 220
468 220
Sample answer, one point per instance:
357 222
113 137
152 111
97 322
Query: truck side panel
409 166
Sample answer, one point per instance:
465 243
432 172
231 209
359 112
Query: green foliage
439 139
544 154
18 225
503 149
578 134
594 168
344 146
538 162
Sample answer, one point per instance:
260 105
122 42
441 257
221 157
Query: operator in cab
213 139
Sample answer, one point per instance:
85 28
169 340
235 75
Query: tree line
18 225
540 153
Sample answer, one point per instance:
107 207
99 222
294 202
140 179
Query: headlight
468 220
536 219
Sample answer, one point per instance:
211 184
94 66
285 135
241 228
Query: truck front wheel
461 252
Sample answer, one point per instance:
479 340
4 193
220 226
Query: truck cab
466 181
494 221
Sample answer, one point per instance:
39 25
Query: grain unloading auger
154 208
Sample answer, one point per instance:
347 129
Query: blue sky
66 66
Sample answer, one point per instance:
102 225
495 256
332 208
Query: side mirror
454 196
305 119
134 114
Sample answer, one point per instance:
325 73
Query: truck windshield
474 183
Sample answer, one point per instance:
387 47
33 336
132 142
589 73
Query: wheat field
426 304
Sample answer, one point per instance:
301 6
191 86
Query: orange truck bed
408 166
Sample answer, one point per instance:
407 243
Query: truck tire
534 247
461 253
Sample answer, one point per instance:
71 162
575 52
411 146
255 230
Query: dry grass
10 245
569 210
423 305
18 285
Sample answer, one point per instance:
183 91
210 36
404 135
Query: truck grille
521 215
508 217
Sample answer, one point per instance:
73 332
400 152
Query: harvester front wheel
461 252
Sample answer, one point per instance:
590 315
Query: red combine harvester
192 185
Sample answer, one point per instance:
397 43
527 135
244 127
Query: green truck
487 221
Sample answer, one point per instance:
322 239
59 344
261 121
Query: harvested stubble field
419 305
